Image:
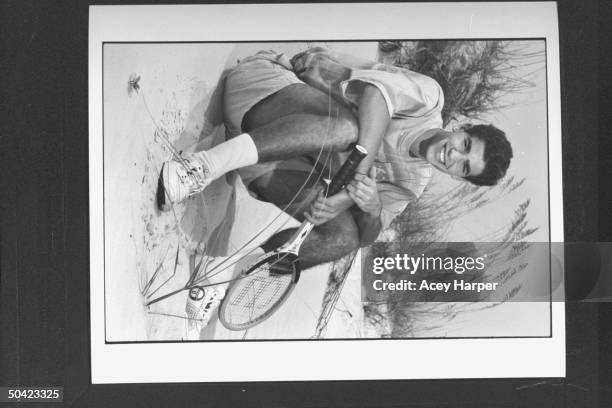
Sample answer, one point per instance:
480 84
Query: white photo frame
307 360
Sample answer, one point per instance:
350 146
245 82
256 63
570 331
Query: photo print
323 190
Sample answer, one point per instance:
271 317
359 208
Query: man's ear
465 127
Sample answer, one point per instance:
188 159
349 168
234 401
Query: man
283 116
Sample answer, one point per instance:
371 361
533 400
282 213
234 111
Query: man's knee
345 130
351 243
341 235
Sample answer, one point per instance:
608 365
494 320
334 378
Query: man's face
457 154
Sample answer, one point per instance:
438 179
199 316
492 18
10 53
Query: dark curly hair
497 153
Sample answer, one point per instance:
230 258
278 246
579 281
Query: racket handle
345 174
342 177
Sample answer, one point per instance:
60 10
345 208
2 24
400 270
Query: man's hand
324 208
318 68
362 190
304 60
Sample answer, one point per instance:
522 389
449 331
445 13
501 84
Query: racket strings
256 295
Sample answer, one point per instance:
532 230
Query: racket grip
345 174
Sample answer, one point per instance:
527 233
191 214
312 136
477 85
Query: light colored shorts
252 80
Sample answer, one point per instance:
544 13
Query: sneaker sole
160 195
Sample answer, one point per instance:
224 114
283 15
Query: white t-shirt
415 104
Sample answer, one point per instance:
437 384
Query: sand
149 253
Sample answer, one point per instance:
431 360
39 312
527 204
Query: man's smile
442 157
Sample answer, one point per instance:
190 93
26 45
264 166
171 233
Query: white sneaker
181 178
202 303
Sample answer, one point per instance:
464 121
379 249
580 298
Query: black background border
44 303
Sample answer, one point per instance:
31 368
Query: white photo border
320 360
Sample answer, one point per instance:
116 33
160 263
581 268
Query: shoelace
193 171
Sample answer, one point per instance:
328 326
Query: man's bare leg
298 120
327 242
295 121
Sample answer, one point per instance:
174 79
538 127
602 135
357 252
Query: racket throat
293 245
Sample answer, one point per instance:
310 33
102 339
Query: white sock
232 154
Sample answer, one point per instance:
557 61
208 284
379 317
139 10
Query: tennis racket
263 288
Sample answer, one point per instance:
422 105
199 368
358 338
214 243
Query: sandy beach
149 253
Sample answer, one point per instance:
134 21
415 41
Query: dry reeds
474 75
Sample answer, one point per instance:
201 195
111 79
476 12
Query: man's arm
369 227
373 122
374 119
364 192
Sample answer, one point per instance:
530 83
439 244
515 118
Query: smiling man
285 118
479 154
